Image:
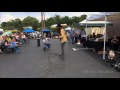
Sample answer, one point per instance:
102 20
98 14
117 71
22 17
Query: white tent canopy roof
69 28
97 16
93 22
100 15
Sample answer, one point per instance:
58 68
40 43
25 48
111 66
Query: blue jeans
72 39
47 45
69 40
14 46
24 41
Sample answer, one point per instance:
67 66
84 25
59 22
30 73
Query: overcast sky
6 16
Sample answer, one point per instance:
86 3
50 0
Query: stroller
46 43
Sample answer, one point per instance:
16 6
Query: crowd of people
81 38
114 42
76 38
13 41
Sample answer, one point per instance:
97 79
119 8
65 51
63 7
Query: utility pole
43 26
43 20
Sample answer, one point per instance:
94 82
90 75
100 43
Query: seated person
11 45
115 43
1 40
8 38
100 38
1 44
46 42
90 36
94 36
15 40
98 35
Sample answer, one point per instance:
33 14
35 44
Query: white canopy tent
94 23
100 15
69 28
94 26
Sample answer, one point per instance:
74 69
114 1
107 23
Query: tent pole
86 30
86 27
105 35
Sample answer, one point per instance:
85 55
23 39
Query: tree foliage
31 21
34 22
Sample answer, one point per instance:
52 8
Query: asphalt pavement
34 62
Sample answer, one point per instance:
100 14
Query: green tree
52 29
65 20
76 19
17 23
57 19
31 21
4 24
83 17
11 24
50 21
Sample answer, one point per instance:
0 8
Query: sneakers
74 49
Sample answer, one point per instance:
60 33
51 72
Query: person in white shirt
46 42
17 38
23 38
40 35
83 36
